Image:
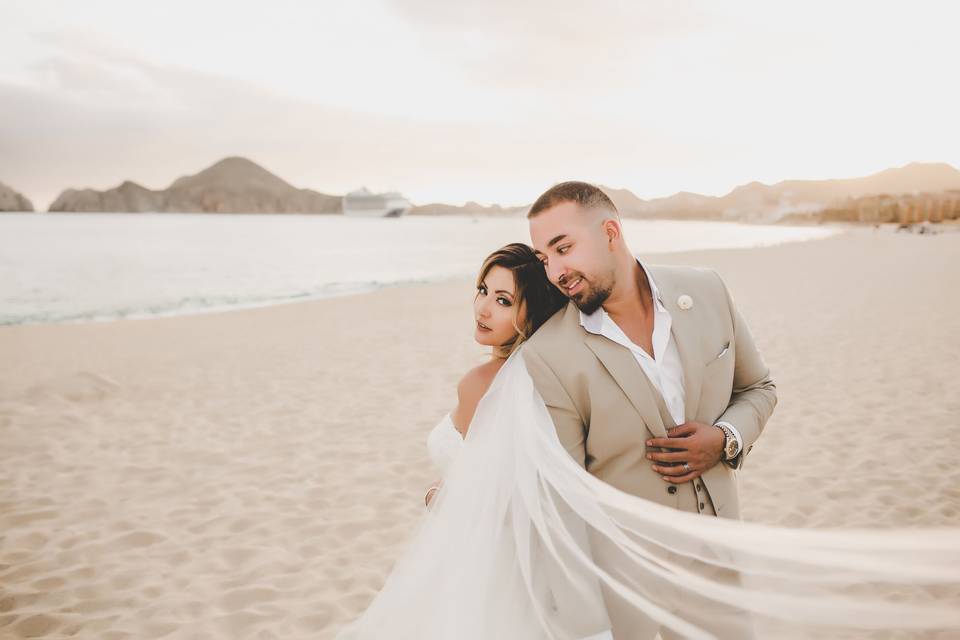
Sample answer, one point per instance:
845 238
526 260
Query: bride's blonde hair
534 294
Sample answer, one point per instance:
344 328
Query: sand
254 473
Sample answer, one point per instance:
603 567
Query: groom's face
576 252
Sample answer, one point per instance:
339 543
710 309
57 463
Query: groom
645 359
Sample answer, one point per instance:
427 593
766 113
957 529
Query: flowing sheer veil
523 543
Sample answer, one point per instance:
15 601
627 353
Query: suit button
672 488
699 486
701 505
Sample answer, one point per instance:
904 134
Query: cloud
610 21
552 46
482 101
98 117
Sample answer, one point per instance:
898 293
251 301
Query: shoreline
125 308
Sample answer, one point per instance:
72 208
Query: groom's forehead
566 210
556 224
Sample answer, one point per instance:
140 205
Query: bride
505 548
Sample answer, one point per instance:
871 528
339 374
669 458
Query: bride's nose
481 307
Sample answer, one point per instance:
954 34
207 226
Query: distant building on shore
363 203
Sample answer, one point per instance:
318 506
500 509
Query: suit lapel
628 374
624 369
687 337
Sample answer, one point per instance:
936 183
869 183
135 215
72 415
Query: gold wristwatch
730 445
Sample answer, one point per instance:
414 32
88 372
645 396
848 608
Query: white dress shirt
663 369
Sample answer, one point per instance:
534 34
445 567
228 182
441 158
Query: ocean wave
191 305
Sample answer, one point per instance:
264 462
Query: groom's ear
612 229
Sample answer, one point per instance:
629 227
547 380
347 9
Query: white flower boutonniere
685 302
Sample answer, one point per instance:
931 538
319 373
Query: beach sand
254 473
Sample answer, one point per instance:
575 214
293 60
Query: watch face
731 448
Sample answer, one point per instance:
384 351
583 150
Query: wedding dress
444 444
522 543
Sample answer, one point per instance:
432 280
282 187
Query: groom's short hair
584 194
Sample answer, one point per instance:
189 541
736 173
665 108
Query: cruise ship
363 203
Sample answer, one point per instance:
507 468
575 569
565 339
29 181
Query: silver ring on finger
686 467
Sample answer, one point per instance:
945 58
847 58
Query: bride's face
495 307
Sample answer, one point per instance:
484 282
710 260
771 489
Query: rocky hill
10 200
237 185
759 202
233 185
470 208
793 200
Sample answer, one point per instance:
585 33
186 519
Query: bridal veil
523 543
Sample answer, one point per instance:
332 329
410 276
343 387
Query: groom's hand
699 446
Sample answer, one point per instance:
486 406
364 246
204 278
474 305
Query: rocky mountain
129 196
759 202
470 208
10 200
627 203
681 205
233 185
237 185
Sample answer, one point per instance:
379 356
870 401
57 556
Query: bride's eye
482 289
506 303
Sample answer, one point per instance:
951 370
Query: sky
483 100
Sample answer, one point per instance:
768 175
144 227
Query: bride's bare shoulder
470 389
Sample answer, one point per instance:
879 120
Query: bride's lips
482 327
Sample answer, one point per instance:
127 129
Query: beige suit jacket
604 407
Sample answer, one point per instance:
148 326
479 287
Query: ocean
81 267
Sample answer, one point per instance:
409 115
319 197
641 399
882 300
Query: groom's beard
591 297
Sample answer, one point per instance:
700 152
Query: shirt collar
594 322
